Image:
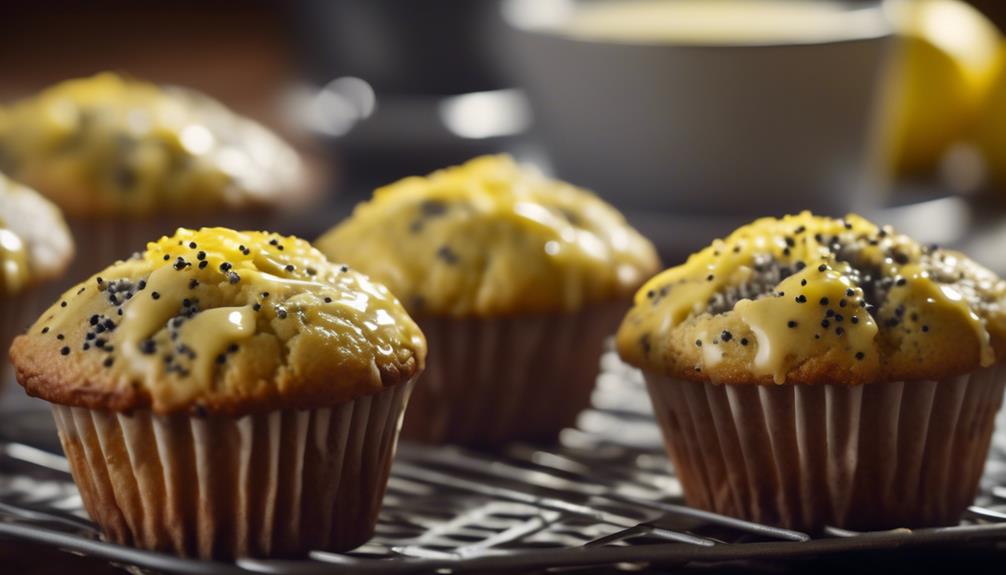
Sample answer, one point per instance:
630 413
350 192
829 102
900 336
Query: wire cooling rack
606 496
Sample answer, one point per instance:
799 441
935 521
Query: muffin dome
106 145
35 244
807 299
220 321
492 238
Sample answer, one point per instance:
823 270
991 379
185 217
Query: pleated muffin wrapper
489 381
272 484
864 457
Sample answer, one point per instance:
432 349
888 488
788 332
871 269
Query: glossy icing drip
788 330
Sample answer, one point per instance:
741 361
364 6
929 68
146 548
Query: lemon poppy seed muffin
810 371
241 362
515 278
127 159
35 250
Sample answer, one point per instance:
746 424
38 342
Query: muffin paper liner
886 455
278 483
493 380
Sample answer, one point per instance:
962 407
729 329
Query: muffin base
493 380
277 483
878 456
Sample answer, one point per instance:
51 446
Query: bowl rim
885 32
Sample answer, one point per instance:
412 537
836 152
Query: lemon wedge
951 55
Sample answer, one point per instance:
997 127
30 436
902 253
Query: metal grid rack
606 496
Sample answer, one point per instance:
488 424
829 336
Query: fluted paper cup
493 380
877 456
277 483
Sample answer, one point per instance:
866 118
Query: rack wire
604 496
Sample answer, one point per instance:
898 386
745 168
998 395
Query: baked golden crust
222 322
492 238
43 375
805 299
112 146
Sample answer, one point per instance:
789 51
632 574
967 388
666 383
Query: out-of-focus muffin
35 250
810 371
515 278
128 160
227 394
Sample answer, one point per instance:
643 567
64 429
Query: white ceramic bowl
753 126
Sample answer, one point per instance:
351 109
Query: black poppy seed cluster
845 251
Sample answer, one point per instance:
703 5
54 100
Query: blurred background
693 116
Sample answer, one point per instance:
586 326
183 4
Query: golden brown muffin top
223 321
35 244
111 146
807 299
490 238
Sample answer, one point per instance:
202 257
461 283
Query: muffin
809 371
127 160
35 250
515 279
226 394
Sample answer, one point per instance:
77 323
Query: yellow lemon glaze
196 307
107 145
492 237
35 243
805 286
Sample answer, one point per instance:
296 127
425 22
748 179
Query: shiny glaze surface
491 237
806 287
